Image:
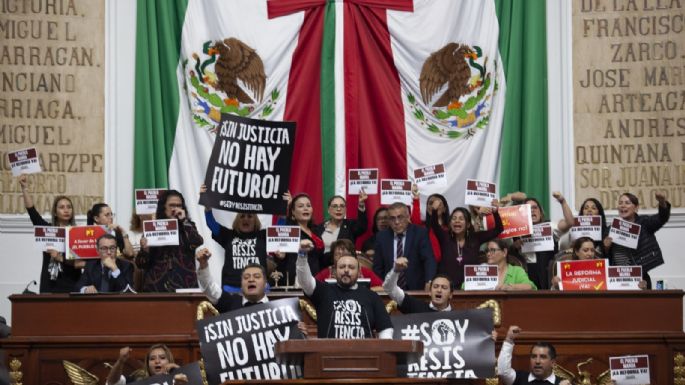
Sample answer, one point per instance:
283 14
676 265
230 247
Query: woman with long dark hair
57 275
158 360
168 268
101 214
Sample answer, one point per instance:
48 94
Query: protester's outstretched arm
304 274
204 277
115 376
504 370
390 283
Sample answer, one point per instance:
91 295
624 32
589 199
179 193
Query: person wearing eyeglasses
339 227
511 276
108 274
101 214
407 240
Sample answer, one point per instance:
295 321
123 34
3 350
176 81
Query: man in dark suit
404 239
107 274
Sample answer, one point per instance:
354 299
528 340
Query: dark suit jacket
349 229
417 250
92 275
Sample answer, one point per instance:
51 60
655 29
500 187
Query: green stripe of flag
522 44
158 40
328 103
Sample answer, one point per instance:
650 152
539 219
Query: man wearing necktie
404 240
542 359
107 274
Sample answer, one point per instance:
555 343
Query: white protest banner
479 193
456 344
480 277
395 190
24 161
630 370
249 169
624 277
541 240
239 345
587 226
362 178
428 177
285 239
50 238
625 233
161 232
146 200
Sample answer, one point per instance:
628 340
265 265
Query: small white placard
630 370
362 178
479 193
161 232
480 277
24 161
625 233
587 226
624 277
146 200
541 240
430 176
395 190
50 238
284 239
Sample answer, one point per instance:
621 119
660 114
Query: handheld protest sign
460 341
239 345
249 168
285 239
516 221
630 370
625 233
587 226
395 190
481 277
586 275
161 232
147 199
428 177
24 161
81 241
363 178
50 238
624 277
541 240
479 193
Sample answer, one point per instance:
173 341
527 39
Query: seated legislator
345 309
440 292
407 240
542 359
340 248
511 277
158 360
252 285
108 274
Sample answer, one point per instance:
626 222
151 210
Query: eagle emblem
456 91
227 77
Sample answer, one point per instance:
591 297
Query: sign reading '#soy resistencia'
587 226
249 169
284 239
456 344
479 193
364 178
24 161
625 233
541 240
161 232
239 345
50 238
430 176
395 190
146 200
480 277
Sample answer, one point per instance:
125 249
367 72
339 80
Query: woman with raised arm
168 268
436 207
158 360
338 227
648 253
101 214
56 274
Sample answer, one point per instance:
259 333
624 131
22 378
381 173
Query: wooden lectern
330 358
